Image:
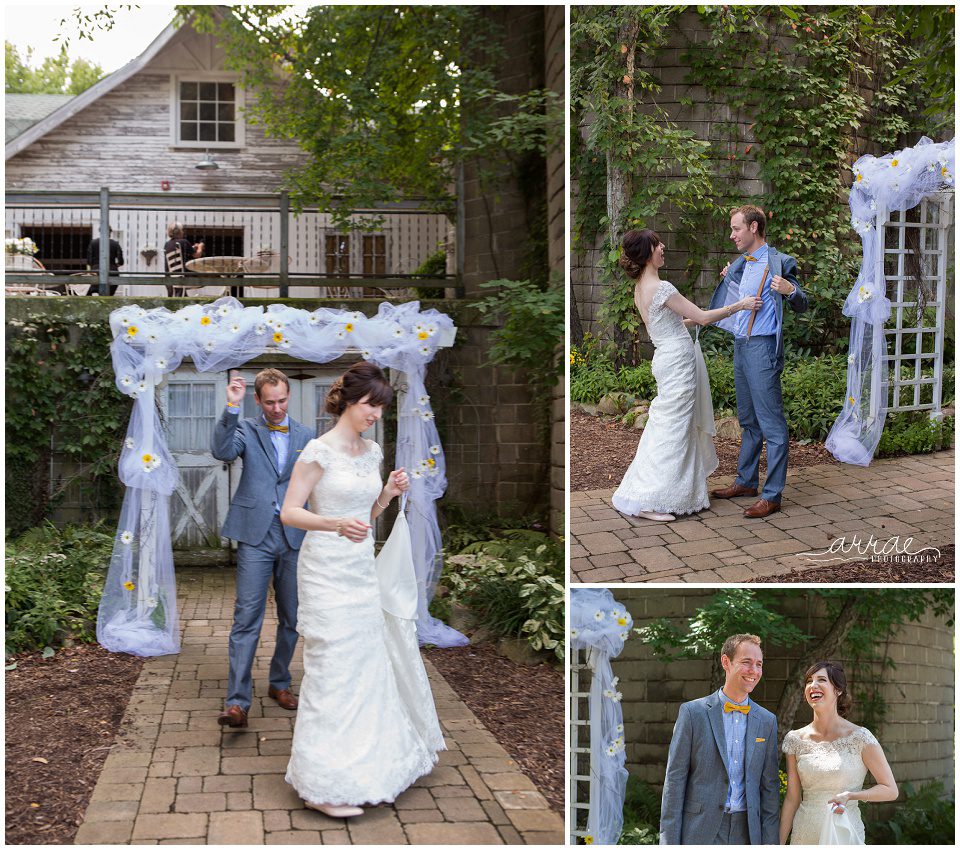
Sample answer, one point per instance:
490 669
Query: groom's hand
236 389
726 268
782 285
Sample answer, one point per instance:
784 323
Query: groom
722 784
758 356
269 446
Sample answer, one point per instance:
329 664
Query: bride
366 726
676 455
828 760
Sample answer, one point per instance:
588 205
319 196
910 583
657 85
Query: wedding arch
885 189
599 627
138 611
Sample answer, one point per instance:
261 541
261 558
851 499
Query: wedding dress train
676 454
826 768
366 725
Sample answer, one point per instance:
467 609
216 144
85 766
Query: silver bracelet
382 507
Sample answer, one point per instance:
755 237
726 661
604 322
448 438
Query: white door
191 404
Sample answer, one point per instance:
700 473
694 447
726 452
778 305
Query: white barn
142 132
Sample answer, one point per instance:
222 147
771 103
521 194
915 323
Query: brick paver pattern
175 777
907 496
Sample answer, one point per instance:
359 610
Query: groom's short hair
732 643
750 214
271 377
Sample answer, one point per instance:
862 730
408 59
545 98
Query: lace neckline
367 450
810 741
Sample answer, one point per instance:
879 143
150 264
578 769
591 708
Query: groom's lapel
264 434
775 261
753 724
715 713
733 281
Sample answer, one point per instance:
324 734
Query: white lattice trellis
914 260
578 792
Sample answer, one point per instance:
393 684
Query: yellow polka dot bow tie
283 429
750 258
732 706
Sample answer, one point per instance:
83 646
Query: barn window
207 113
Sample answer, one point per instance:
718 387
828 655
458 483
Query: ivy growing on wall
806 110
822 87
60 395
650 166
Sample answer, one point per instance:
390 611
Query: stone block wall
496 449
556 221
917 735
708 119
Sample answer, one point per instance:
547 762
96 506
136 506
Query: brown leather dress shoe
762 508
233 716
285 698
732 491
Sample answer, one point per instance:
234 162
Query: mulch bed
522 705
602 449
62 715
867 572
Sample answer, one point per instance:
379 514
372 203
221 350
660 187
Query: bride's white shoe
657 517
335 811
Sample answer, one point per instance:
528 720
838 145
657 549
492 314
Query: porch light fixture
207 163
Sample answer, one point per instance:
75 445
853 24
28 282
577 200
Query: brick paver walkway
909 496
176 777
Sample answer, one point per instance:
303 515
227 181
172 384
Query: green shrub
513 585
641 814
921 817
914 432
54 579
813 392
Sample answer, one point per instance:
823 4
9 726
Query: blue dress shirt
280 440
765 324
735 733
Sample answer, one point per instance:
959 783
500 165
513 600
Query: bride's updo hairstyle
638 247
360 380
839 681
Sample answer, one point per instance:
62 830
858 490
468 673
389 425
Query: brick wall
917 736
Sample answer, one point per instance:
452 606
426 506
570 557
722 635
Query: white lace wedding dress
827 768
366 727
676 454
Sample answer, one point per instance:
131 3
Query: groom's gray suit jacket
728 290
696 785
252 507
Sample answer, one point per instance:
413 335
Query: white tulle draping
138 611
894 181
600 626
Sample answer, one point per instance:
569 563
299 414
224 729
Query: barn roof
22 111
73 105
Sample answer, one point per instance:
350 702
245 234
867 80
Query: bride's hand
751 302
397 483
840 802
354 530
